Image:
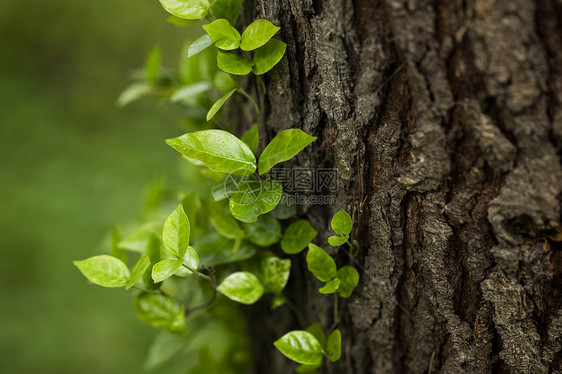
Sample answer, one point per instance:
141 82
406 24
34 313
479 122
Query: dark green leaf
349 280
336 241
252 138
176 233
161 311
257 34
264 232
165 269
223 35
321 264
187 9
266 57
275 273
297 236
228 9
138 271
255 197
283 147
233 63
331 286
243 287
342 223
300 346
214 249
333 346
104 270
217 149
218 104
285 209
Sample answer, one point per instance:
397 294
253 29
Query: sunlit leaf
228 9
275 273
253 198
200 44
175 233
104 270
283 147
218 104
160 311
318 333
257 34
297 236
243 287
349 280
222 34
138 271
300 346
188 9
266 57
336 241
165 269
233 63
191 261
320 263
342 223
331 286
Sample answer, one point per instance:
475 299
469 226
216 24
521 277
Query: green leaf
180 22
163 348
285 209
104 270
176 233
223 35
217 149
253 198
264 232
275 273
160 311
349 280
257 34
336 241
225 186
333 346
188 94
153 252
342 223
224 82
223 222
243 287
228 9
152 65
191 260
283 147
140 267
199 45
300 346
214 249
320 263
132 93
252 138
165 269
277 301
219 103
233 63
318 333
331 286
266 57
297 236
308 369
187 9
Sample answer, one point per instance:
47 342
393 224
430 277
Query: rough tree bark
444 120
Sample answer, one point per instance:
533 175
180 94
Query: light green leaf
191 260
187 9
134 92
349 280
228 9
180 22
224 223
152 65
257 34
300 346
342 223
218 104
140 267
252 138
331 286
217 149
233 63
165 269
318 333
253 198
320 263
336 241
176 233
223 35
160 311
277 301
275 273
283 147
297 236
243 287
333 346
104 270
264 232
266 57
154 254
199 45
224 82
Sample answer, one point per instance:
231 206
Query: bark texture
444 120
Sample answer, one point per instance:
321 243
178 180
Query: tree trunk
444 121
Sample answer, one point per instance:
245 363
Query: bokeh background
72 165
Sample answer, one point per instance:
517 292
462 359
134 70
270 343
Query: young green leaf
333 346
277 301
251 138
160 311
152 65
297 236
199 45
104 270
187 9
243 287
318 333
266 57
217 149
140 267
275 273
349 280
253 198
257 34
283 147
321 264
300 346
228 9
264 232
219 103
165 269
336 241
233 64
342 223
175 233
331 286
223 35
191 260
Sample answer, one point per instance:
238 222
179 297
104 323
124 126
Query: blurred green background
73 164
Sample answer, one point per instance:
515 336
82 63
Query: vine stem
247 95
198 274
296 312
